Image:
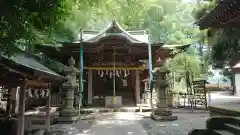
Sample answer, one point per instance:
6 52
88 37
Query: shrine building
115 61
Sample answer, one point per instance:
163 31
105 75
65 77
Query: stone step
222 132
232 128
198 132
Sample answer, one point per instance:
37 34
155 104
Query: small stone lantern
162 112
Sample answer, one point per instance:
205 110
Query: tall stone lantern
162 112
68 113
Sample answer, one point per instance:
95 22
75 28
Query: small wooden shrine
226 13
115 61
22 70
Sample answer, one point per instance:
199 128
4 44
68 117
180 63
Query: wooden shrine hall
115 61
23 70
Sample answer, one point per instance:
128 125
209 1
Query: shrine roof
114 29
24 59
226 12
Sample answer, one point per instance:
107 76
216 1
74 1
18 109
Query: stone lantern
68 113
162 112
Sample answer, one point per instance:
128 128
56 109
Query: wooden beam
32 83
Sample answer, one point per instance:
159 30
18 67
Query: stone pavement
124 123
130 123
187 121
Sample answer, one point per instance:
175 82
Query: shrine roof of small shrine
226 12
114 29
29 61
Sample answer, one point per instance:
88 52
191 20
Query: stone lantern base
68 116
163 114
68 120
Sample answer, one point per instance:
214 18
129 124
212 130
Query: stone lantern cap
71 62
71 68
159 62
160 67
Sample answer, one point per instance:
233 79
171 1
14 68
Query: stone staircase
220 125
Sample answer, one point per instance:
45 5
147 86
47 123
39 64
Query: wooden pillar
48 117
21 109
14 98
137 88
90 86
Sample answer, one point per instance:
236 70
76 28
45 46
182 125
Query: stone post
90 85
162 112
68 113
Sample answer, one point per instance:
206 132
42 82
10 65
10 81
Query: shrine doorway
103 86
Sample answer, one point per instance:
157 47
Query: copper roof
114 29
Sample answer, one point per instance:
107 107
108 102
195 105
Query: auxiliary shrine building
116 61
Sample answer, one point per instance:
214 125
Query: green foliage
35 21
169 21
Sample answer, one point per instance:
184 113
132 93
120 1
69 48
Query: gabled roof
29 61
114 29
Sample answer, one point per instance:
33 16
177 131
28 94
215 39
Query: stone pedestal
162 112
68 114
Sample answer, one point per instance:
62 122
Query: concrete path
124 123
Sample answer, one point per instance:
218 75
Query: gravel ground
186 122
137 123
72 129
